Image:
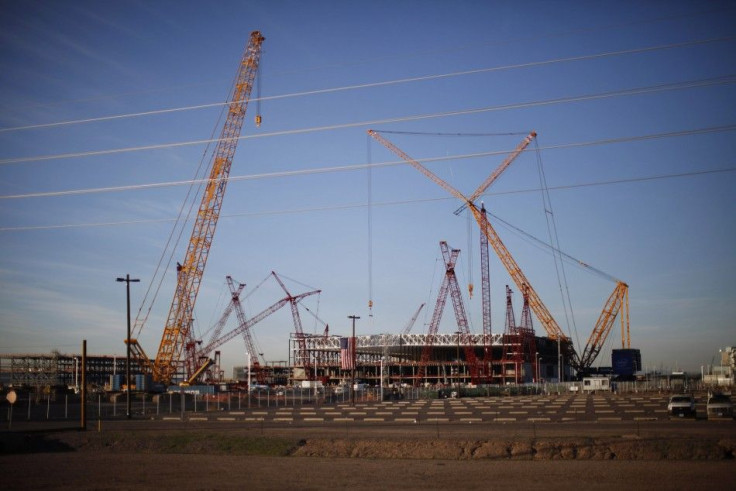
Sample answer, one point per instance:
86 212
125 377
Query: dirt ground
187 471
236 459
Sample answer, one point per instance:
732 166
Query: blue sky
633 103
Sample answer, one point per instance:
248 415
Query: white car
681 405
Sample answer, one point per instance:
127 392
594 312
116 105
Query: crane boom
450 259
303 354
252 321
540 310
617 302
499 170
410 324
234 298
189 274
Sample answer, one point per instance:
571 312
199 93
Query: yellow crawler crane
177 332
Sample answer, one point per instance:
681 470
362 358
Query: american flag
347 348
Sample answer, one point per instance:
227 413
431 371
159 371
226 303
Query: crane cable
554 240
193 192
369 177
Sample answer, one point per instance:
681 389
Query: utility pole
83 409
352 356
127 281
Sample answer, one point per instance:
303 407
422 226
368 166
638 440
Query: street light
127 281
457 351
352 358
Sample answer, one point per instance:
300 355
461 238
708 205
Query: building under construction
40 371
499 359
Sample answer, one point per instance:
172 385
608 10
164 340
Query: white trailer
592 384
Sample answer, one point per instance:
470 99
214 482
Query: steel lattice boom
177 332
616 302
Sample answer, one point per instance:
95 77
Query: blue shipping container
626 361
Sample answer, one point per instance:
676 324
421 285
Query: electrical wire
385 203
368 85
724 80
355 167
435 52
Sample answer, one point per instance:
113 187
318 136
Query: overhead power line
354 167
376 84
383 203
724 80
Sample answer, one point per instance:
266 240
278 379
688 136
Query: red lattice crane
234 296
449 285
177 335
617 301
250 346
486 300
302 356
519 344
244 326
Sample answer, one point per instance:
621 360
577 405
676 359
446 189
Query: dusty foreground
209 458
186 471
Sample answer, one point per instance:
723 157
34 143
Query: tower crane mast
485 296
177 331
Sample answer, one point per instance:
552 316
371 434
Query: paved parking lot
554 408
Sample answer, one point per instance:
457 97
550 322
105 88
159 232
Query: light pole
249 364
538 358
352 359
559 361
457 356
127 281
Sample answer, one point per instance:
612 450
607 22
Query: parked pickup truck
719 407
681 405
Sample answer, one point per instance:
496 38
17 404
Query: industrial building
39 371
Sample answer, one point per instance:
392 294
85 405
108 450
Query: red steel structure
449 285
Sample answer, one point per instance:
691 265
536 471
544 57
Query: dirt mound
625 448
544 449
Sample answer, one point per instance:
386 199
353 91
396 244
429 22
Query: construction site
516 354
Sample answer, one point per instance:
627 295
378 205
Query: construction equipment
616 305
234 298
617 299
451 286
247 337
177 333
244 326
303 355
410 324
519 343
485 275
